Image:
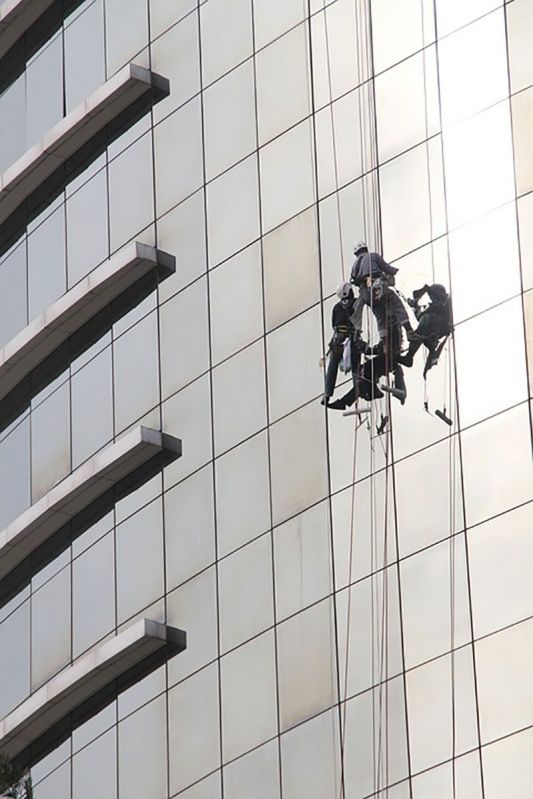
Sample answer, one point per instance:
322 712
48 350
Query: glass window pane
493 483
51 628
480 395
245 593
139 561
504 681
298 452
189 527
452 14
469 85
407 104
282 84
302 561
429 702
164 14
92 407
177 178
372 627
176 56
84 55
236 303
372 710
287 176
15 669
184 337
193 708
142 753
476 263
242 472
387 20
181 232
274 17
221 53
249 715
302 650
508 767
310 755
428 594
50 442
500 553
56 784
193 608
233 225
87 234
136 390
419 501
46 263
256 774
472 189
13 293
93 612
406 225
292 274
124 42
242 375
229 119
188 413
13 136
15 473
44 90
94 769
131 175
522 105
284 347
525 222
519 24
334 33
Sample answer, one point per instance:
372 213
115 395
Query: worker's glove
412 303
322 361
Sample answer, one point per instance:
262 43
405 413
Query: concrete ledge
86 677
16 17
138 448
66 138
68 314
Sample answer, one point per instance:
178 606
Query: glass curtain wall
358 607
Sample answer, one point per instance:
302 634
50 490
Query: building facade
358 608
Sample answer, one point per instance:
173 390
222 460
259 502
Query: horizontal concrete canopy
137 449
75 130
88 675
67 315
16 17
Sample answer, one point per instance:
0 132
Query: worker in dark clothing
343 334
434 324
374 277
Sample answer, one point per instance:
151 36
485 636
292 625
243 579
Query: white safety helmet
360 245
344 290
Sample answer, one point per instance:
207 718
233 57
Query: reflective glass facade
359 609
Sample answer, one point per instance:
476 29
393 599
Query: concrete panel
16 17
90 674
75 308
140 448
66 138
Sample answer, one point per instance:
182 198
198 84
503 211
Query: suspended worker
434 324
342 345
374 276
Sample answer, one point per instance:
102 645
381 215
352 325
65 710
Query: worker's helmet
359 247
344 291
